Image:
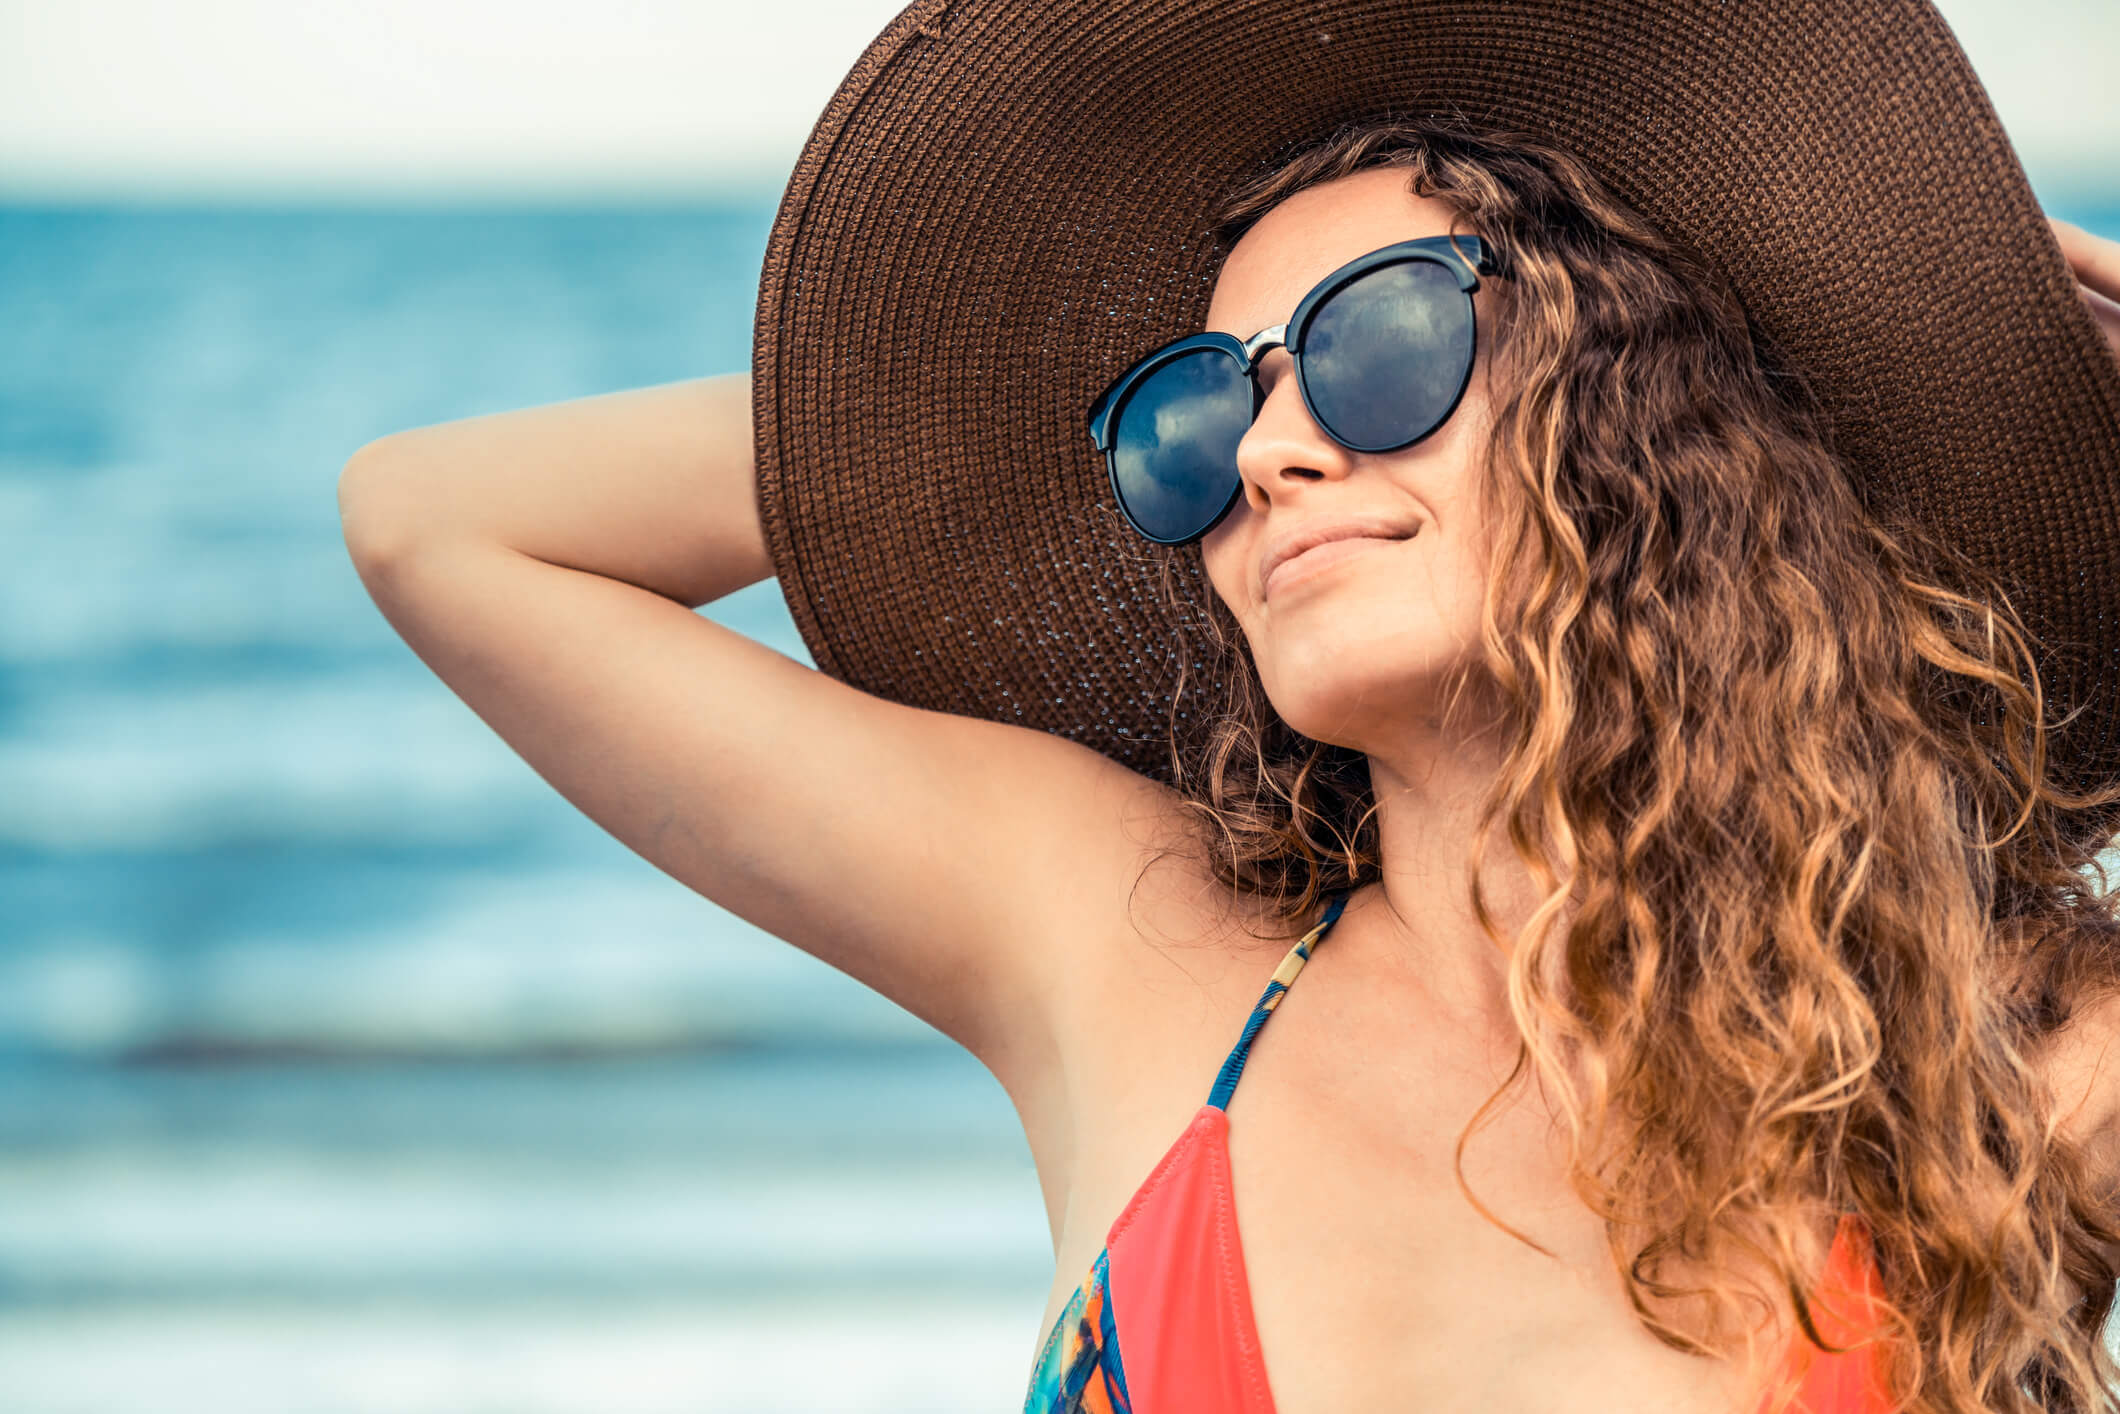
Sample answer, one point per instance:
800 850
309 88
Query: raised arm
2095 261
651 486
545 563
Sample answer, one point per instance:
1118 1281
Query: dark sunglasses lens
1387 354
1174 447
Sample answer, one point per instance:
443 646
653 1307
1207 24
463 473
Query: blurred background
344 1066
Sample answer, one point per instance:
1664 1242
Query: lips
1313 543
1297 567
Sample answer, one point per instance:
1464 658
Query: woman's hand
2080 1066
2096 262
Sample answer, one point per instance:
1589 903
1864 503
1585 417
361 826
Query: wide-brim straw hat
1005 203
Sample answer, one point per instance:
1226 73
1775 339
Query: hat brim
1003 205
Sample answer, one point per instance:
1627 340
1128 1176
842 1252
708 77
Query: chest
1371 1271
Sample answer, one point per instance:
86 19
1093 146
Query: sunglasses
1383 348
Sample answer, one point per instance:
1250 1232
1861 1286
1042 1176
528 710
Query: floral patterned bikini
1170 1287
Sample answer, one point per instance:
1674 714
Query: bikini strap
1284 976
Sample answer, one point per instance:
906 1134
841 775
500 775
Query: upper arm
958 866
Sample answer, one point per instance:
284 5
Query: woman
1696 973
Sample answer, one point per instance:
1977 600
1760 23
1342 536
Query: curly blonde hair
1789 758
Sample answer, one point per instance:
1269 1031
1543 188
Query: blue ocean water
343 1065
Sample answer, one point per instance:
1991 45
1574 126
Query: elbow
376 513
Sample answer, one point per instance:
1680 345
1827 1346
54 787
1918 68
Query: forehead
1311 234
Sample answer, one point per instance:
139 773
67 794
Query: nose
1284 445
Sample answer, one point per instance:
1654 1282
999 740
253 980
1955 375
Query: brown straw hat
1004 204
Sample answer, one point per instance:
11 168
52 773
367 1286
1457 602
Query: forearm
652 486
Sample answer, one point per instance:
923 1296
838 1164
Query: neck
1428 785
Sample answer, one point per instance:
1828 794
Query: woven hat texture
1004 204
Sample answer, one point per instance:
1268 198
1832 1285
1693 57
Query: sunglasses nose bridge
1257 345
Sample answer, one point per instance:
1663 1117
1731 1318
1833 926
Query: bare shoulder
1123 901
1147 963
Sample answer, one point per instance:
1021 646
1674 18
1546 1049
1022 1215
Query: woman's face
1355 643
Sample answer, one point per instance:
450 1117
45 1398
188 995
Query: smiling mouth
1318 557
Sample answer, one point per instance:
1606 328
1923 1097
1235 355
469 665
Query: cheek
1455 585
1222 559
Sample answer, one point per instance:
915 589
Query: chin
1333 697
1344 674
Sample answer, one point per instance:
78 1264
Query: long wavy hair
1787 758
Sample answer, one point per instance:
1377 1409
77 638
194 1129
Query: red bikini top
1163 1322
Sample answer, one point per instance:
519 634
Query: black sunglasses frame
1466 257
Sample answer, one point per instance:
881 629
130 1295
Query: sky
473 98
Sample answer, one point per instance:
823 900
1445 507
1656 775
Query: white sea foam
939 1355
492 961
